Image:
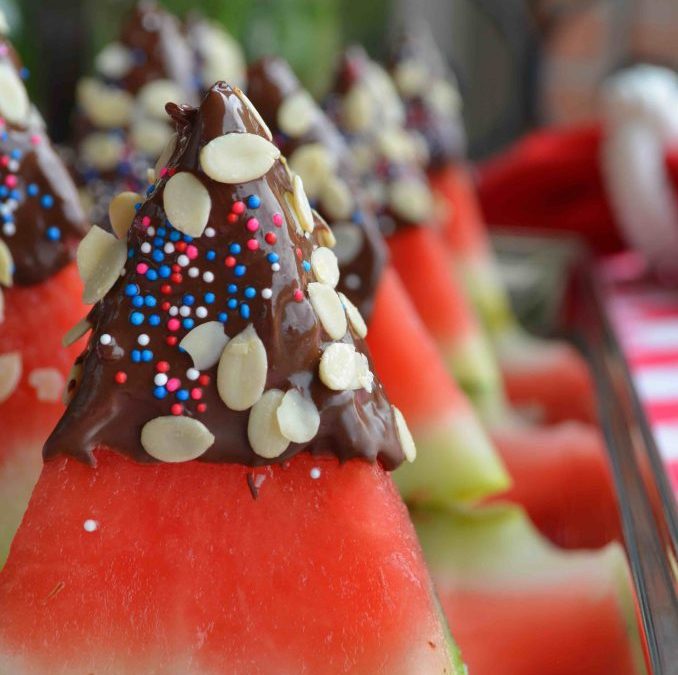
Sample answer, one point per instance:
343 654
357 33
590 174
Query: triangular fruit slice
41 224
455 460
215 498
520 606
529 365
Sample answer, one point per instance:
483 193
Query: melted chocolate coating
108 412
42 220
270 82
441 126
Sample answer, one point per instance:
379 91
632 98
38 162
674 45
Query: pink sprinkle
277 220
298 295
173 384
4 160
142 268
35 139
191 252
252 224
252 244
238 207
145 221
11 181
176 409
173 324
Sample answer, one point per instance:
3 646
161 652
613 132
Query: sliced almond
74 334
10 374
338 366
101 257
205 343
106 106
175 438
72 383
263 430
325 266
404 436
296 113
243 367
358 109
114 61
187 203
102 150
354 316
150 175
6 265
397 145
410 199
364 376
324 233
301 205
445 98
254 112
329 309
166 154
336 199
154 95
410 78
349 238
238 157
150 136
47 382
14 103
314 163
221 55
298 418
121 212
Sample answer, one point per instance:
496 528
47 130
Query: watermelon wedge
519 606
455 459
179 568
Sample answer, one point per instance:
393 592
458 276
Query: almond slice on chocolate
175 438
404 435
355 318
102 150
47 382
76 332
6 264
263 430
121 212
166 154
187 203
114 60
154 95
238 157
101 257
298 417
325 266
296 113
14 103
150 136
205 343
329 309
106 106
324 232
314 163
254 112
337 369
301 205
243 367
10 374
410 199
337 199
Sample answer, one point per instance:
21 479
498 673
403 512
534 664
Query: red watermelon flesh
561 477
36 318
422 261
179 568
529 366
520 606
455 459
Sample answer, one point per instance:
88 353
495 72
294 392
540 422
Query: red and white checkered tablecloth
645 320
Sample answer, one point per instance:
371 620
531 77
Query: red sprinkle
238 207
299 253
166 289
165 306
176 409
201 407
172 340
204 380
252 244
176 267
232 217
298 295
230 261
176 278
121 377
270 238
162 366
180 246
196 394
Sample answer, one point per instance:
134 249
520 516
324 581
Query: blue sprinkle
188 300
239 270
211 255
32 190
150 301
250 292
4 191
15 194
151 275
232 288
158 256
223 317
235 249
136 356
160 392
273 257
24 73
161 231
154 320
209 298
53 233
358 217
182 395
175 235
232 303
15 154
164 271
149 191
253 202
306 265
158 242
136 318
130 253
146 355
137 301
188 323
245 311
131 290
47 201
188 239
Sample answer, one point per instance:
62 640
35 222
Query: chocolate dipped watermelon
216 498
529 366
455 459
39 290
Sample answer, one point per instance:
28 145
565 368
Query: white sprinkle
145 247
210 232
169 247
201 312
315 473
275 267
192 373
105 339
185 310
160 380
150 231
143 339
266 293
9 229
173 311
208 277
13 165
183 260
91 525
193 272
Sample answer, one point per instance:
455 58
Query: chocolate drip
430 93
239 272
272 82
